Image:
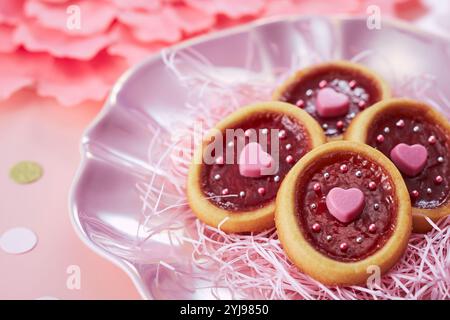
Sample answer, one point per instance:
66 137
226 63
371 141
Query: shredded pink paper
254 266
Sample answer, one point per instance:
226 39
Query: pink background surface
38 129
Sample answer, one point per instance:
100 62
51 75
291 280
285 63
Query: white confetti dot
47 298
18 240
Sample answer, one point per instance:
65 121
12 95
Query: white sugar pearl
282 134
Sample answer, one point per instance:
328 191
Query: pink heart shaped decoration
331 104
410 160
345 205
253 160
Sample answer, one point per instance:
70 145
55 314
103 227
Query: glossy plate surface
106 201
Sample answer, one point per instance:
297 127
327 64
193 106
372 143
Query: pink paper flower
35 38
233 9
42 48
11 11
141 23
7 44
54 15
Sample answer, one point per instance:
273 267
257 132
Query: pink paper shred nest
121 32
254 265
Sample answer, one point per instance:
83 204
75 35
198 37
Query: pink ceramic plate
122 148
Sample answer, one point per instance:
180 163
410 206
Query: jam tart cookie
333 93
341 209
417 139
233 184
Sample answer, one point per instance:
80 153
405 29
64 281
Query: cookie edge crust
322 268
383 87
244 221
358 130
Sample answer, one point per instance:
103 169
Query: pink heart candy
410 160
331 103
253 160
345 205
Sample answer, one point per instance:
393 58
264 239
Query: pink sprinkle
340 124
352 84
225 191
414 193
343 246
219 160
380 138
343 168
316 227
372 228
361 104
289 159
300 103
282 134
438 179
261 191
372 185
316 187
400 123
322 83
432 139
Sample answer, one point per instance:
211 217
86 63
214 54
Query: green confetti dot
26 172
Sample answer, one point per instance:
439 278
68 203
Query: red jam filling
362 93
361 237
228 189
430 188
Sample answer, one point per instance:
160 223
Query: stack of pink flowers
74 50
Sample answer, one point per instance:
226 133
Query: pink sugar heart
331 103
253 160
345 205
410 160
